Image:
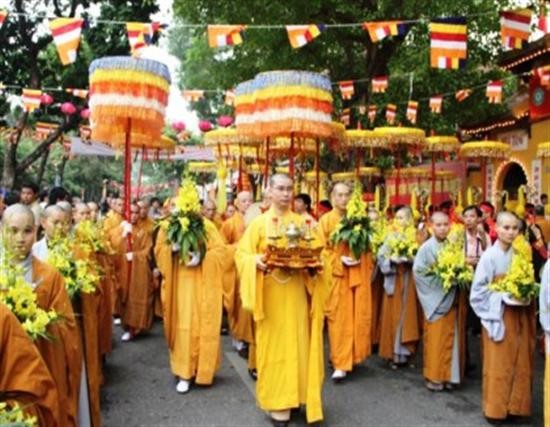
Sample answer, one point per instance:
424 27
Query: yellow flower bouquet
402 242
519 282
19 297
13 415
91 236
354 227
451 267
185 226
379 231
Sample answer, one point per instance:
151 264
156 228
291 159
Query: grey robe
544 299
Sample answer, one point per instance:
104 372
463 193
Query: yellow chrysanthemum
188 197
13 415
356 208
519 281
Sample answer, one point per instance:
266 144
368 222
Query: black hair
58 194
473 208
32 185
306 199
326 204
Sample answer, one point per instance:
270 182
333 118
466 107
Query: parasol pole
484 177
397 175
128 170
291 157
433 177
317 175
140 174
266 170
240 180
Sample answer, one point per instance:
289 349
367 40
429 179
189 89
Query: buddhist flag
544 22
346 116
543 74
225 35
300 35
462 94
3 16
31 99
494 92
43 130
372 112
448 43
79 93
66 34
412 111
436 102
379 84
140 34
346 89
380 30
515 28
391 110
229 97
193 95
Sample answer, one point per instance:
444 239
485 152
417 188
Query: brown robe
62 353
24 377
105 314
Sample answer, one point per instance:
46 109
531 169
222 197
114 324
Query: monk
508 333
134 275
288 310
94 211
445 314
210 212
53 220
349 308
63 353
115 216
192 299
145 220
399 329
24 377
241 323
544 299
113 220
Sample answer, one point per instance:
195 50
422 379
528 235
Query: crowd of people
387 301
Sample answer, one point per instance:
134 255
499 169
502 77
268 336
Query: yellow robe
289 331
192 307
112 221
349 306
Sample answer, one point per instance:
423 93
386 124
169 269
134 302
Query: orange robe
192 299
63 353
136 289
24 377
349 307
112 221
105 315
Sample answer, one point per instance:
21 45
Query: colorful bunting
31 99
300 35
380 30
225 35
43 130
66 34
140 34
346 116
515 28
229 97
412 111
193 95
462 94
372 112
436 103
346 89
391 110
379 84
543 74
3 16
79 93
544 22
448 43
494 92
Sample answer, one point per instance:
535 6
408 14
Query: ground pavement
140 391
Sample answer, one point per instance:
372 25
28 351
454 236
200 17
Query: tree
347 52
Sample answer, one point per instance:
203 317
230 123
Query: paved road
141 392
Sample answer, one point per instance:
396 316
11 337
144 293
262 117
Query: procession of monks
376 303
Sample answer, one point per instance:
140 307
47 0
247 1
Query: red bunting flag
300 35
193 95
544 22
346 116
31 99
372 112
346 89
436 102
225 35
379 84
515 28
229 97
380 30
43 130
543 74
66 33
494 92
412 111
140 34
3 16
462 94
391 110
79 93
448 43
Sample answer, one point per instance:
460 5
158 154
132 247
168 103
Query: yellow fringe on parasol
441 144
229 136
395 135
486 149
204 167
369 171
363 138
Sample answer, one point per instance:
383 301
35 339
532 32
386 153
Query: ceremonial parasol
435 145
360 139
484 150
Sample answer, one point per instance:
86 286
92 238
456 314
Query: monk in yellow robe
134 275
349 307
192 298
24 377
241 323
145 220
210 212
63 353
113 220
288 310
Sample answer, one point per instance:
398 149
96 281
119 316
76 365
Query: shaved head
339 196
440 225
19 230
439 216
209 209
17 209
340 186
503 217
277 178
243 201
81 212
52 210
55 220
66 206
281 190
507 228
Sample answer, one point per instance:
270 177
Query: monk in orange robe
134 275
349 310
145 220
24 377
210 212
113 219
241 323
63 353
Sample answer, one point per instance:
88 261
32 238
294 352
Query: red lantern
46 99
85 113
68 108
225 121
205 125
178 126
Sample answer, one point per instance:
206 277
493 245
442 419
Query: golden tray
293 258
